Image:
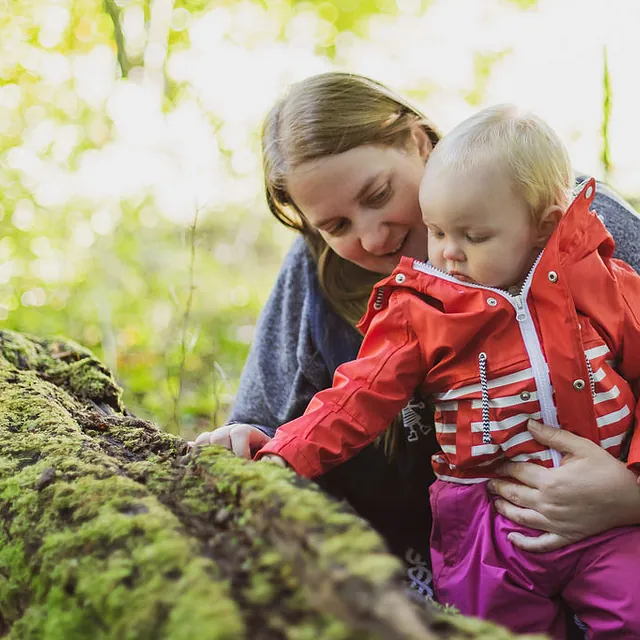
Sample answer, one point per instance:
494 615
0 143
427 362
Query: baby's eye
436 234
473 239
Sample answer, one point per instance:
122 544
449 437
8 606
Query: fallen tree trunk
111 528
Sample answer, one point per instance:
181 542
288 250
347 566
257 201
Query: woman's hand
590 492
242 439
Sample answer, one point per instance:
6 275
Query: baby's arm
367 394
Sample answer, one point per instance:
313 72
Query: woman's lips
398 249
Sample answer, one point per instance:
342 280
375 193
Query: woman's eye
338 228
380 196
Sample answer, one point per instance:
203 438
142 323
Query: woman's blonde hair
321 116
517 142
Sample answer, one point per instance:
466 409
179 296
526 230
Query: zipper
530 338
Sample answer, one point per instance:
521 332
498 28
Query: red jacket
566 351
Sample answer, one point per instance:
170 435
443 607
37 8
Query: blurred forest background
132 218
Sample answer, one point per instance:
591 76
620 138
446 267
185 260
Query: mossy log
112 528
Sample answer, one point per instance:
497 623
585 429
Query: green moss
65 363
331 630
259 486
86 550
110 531
460 627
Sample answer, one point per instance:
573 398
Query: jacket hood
580 231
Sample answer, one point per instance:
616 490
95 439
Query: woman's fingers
245 439
220 437
518 494
530 474
242 439
539 544
559 439
520 515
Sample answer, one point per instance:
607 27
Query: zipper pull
521 308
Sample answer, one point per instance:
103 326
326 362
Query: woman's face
364 202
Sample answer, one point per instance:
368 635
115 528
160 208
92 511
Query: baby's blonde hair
522 144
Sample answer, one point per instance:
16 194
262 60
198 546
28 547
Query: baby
521 313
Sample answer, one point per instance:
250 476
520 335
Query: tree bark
112 528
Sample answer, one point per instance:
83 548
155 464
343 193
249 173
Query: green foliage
97 254
113 273
523 4
483 63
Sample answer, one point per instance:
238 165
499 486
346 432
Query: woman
343 158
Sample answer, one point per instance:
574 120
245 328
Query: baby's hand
271 457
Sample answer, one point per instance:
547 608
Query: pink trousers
476 569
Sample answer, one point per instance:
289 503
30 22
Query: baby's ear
547 222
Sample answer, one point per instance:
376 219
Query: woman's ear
421 140
547 223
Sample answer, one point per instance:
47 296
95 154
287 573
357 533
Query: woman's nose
375 239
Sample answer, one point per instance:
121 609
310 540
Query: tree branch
114 13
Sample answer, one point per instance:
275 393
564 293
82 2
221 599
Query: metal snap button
578 384
492 302
553 276
525 395
400 278
377 306
588 192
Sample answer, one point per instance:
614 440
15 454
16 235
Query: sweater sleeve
629 355
284 368
622 222
366 395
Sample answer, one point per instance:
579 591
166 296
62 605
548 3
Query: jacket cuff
633 461
288 449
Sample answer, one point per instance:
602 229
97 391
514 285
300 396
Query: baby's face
479 230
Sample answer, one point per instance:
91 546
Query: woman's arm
288 362
283 370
